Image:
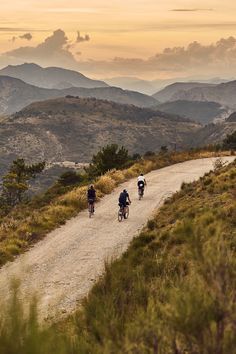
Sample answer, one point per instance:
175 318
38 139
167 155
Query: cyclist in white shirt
141 184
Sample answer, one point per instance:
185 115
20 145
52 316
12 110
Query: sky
150 39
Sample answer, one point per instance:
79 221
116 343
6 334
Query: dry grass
24 225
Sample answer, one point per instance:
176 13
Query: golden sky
117 28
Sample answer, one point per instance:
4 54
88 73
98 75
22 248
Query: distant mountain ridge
16 94
50 77
223 93
199 111
171 92
74 128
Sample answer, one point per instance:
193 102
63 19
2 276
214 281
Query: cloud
80 38
190 10
53 51
195 58
28 36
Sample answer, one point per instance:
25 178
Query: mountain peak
50 77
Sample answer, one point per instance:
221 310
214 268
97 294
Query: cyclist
124 200
141 183
91 195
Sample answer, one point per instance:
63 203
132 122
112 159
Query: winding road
62 268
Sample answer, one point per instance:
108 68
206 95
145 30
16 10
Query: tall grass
173 291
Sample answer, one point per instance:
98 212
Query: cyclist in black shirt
124 199
91 195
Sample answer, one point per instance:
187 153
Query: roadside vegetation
27 221
173 291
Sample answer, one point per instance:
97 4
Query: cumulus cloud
53 51
80 38
194 58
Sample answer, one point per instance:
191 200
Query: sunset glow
124 29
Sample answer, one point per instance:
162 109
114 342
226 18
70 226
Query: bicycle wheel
139 194
90 209
126 215
120 215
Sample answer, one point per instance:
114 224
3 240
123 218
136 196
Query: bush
108 158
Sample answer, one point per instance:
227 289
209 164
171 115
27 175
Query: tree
16 182
230 141
109 157
163 149
69 178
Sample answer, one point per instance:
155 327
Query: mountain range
223 93
51 77
150 87
75 128
16 94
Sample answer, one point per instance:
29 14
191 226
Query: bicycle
91 207
123 213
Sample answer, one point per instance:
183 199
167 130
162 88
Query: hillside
75 128
172 291
16 94
174 288
212 134
232 117
224 94
170 92
202 112
51 77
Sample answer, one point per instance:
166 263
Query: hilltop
51 77
75 128
16 94
223 93
170 92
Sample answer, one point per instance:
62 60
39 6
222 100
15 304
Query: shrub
105 184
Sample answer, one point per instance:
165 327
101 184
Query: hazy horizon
138 39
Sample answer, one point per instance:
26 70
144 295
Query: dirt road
62 268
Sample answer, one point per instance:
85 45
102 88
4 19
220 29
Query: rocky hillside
169 92
16 94
202 112
224 94
212 134
75 128
51 77
232 117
